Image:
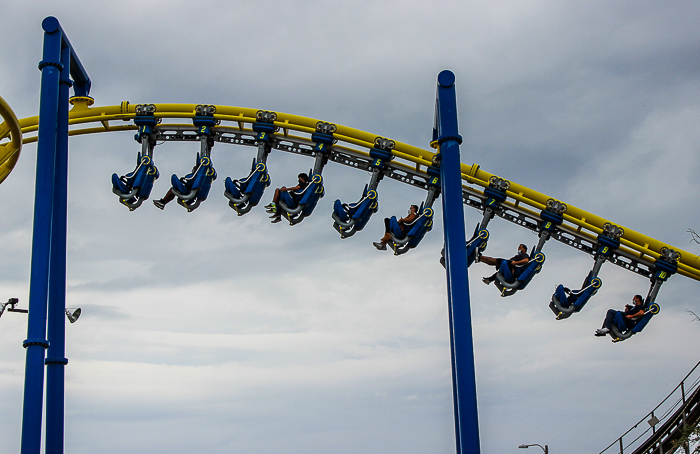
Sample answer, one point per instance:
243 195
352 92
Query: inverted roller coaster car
509 284
351 218
477 244
295 207
135 187
192 189
415 231
244 194
619 335
565 302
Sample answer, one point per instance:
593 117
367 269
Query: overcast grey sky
209 332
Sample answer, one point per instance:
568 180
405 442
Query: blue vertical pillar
461 341
47 287
55 360
36 341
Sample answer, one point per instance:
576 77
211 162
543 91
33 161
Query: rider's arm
408 219
639 313
286 189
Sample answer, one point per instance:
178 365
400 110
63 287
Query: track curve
9 129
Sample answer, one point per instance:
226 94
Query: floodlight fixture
73 313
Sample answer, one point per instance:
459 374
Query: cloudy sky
209 332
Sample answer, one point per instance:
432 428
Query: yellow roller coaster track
113 118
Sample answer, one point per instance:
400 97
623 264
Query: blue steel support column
55 361
463 372
43 200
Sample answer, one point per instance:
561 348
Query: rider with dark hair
272 207
623 320
517 263
402 224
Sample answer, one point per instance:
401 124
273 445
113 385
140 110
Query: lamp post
545 448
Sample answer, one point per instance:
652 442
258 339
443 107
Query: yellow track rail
83 118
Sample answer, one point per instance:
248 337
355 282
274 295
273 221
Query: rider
517 263
623 320
402 223
272 207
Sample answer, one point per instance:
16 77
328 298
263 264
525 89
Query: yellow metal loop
9 152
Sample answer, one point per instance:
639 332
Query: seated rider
623 320
403 223
517 263
272 207
170 196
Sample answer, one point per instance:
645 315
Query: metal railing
658 429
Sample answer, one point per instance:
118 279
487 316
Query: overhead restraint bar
566 302
665 266
402 240
351 218
246 193
192 189
135 187
299 205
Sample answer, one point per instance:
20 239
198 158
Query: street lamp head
544 448
12 302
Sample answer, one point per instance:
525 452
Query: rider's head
638 299
414 209
522 248
303 178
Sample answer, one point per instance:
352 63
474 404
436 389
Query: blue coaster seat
508 283
298 205
351 218
244 194
192 189
619 335
135 187
566 302
414 233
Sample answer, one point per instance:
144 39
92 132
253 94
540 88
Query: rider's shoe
380 246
